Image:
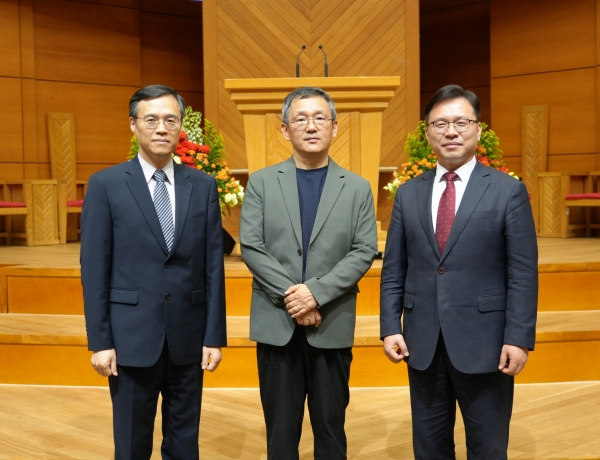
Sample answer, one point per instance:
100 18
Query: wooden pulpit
359 101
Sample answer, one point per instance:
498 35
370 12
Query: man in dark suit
153 281
308 235
460 270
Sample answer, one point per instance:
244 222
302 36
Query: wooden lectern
360 102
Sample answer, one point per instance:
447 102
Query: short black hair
153 92
305 92
453 92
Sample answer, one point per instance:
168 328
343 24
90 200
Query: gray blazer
342 247
481 292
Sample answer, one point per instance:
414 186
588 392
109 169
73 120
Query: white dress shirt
460 184
149 171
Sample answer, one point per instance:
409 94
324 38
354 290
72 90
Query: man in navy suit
460 270
153 281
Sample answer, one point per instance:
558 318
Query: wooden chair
61 138
10 207
589 199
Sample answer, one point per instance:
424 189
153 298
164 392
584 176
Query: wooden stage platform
550 421
42 334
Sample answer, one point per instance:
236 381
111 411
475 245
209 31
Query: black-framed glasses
301 123
152 122
461 126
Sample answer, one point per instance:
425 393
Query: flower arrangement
205 152
421 157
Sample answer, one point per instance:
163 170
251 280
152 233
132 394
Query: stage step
52 349
45 290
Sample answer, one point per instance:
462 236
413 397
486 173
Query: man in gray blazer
308 236
460 269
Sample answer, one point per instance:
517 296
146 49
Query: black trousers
485 401
289 374
134 393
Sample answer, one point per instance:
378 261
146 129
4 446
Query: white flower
176 159
231 199
396 182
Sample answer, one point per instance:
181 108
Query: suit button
441 271
299 252
168 296
167 265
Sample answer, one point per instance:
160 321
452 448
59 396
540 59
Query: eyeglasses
461 126
152 122
300 124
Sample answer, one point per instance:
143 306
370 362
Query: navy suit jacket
481 292
136 293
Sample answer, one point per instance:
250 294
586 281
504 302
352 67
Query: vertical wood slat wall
261 38
88 57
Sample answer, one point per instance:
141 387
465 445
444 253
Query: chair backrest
61 140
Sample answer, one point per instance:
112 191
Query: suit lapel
478 183
136 181
334 182
289 190
424 193
183 193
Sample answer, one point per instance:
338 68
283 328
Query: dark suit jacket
482 292
136 294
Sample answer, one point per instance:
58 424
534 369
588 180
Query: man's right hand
310 318
105 362
395 348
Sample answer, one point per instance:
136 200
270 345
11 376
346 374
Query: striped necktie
162 204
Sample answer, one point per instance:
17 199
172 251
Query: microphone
298 61
326 64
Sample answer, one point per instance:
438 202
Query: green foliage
134 148
214 140
416 146
490 142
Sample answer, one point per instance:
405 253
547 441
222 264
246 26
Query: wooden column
534 148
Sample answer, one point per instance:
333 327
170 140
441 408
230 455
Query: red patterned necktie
446 211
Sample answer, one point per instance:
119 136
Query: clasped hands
302 306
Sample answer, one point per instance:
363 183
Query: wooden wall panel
443 62
171 51
465 59
88 57
11 171
10 63
172 7
572 118
545 52
81 42
26 27
101 123
122 3
542 36
11 132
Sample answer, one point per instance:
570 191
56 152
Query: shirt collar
464 172
149 170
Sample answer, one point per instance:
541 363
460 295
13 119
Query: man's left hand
211 357
512 359
299 300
